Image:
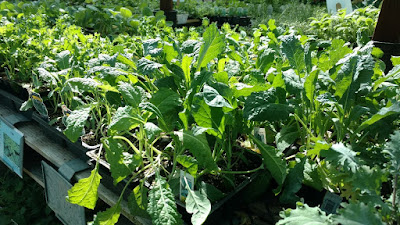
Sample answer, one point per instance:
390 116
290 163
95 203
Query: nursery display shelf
58 155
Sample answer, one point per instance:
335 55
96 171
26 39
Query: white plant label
335 5
183 191
260 134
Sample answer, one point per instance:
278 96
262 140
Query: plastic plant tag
39 105
260 134
11 147
334 5
331 202
56 189
183 191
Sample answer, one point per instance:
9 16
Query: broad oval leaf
197 144
76 122
108 217
132 95
198 205
264 106
84 193
125 12
213 98
213 46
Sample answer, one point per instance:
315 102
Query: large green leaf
80 85
383 112
148 67
126 61
161 207
76 122
122 163
189 163
63 59
198 145
125 119
358 214
150 47
47 76
108 217
272 161
293 183
265 60
125 12
286 137
198 205
294 84
245 90
213 46
265 106
343 156
304 215
166 100
208 117
84 193
309 84
294 51
186 65
132 95
213 98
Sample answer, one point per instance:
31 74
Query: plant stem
394 196
243 172
129 143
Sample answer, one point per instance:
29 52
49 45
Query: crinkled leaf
47 76
358 214
343 156
132 95
294 85
84 193
265 60
125 119
63 59
161 207
213 46
198 145
80 85
150 47
76 122
304 215
265 106
108 217
198 204
272 161
294 51
148 67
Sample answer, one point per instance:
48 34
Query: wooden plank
36 174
